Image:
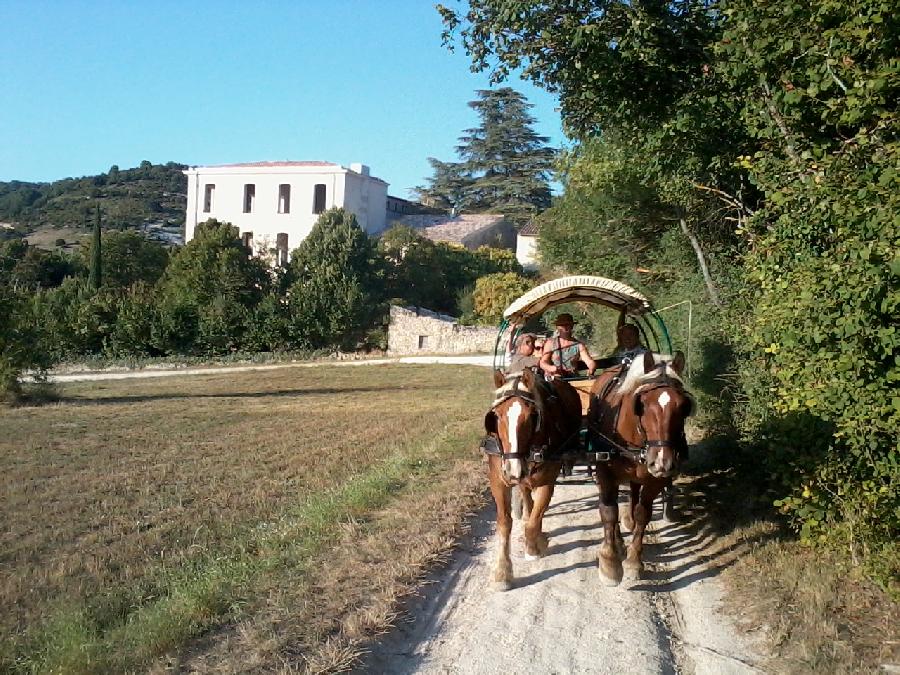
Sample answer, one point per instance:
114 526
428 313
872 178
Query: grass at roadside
819 612
141 515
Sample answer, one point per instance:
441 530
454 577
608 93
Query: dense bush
438 276
766 134
494 292
20 347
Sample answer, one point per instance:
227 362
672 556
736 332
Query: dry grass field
229 522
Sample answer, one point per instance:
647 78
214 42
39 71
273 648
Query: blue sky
85 85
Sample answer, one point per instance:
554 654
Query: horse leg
609 562
527 502
643 510
536 542
503 573
628 514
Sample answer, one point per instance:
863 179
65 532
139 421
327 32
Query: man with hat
562 353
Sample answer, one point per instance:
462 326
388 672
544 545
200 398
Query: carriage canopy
582 288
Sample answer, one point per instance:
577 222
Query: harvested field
151 523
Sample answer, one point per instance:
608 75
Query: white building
275 204
526 247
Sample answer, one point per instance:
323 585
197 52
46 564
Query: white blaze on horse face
512 420
664 400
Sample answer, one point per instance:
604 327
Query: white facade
275 204
526 251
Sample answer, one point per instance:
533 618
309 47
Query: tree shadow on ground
275 393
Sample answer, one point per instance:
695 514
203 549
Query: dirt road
558 618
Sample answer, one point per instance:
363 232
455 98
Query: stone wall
414 330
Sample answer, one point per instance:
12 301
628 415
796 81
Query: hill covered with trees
129 199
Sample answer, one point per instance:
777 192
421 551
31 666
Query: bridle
638 454
491 444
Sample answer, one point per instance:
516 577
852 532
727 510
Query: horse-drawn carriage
627 422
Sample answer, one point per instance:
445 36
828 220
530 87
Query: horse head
514 419
661 406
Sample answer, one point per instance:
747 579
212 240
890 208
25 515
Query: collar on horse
637 454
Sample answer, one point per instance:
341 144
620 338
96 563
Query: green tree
208 288
446 187
128 257
20 347
494 292
433 275
26 267
95 277
337 293
505 165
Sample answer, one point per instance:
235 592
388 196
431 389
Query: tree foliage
434 275
764 138
129 257
504 164
494 292
337 291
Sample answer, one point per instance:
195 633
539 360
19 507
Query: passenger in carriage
628 346
563 354
524 356
629 342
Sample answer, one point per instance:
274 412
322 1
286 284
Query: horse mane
511 387
635 377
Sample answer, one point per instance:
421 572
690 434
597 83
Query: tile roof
452 229
530 230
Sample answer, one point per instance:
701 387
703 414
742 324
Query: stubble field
229 522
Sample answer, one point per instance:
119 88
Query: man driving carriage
563 354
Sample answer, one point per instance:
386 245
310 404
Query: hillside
149 195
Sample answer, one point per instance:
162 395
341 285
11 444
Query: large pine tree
505 165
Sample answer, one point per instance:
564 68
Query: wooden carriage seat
583 386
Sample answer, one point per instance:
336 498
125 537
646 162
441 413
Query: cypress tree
95 276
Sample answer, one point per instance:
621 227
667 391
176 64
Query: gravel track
558 618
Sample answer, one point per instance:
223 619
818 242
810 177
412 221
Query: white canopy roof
596 290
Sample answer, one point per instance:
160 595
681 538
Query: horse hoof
632 574
529 556
607 581
502 585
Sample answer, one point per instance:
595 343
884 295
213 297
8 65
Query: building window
423 342
284 198
208 192
249 197
281 248
247 241
319 198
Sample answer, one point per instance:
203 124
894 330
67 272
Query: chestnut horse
527 425
639 414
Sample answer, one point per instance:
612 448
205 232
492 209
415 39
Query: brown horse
527 426
639 414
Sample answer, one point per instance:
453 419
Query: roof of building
269 164
451 229
311 164
531 229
